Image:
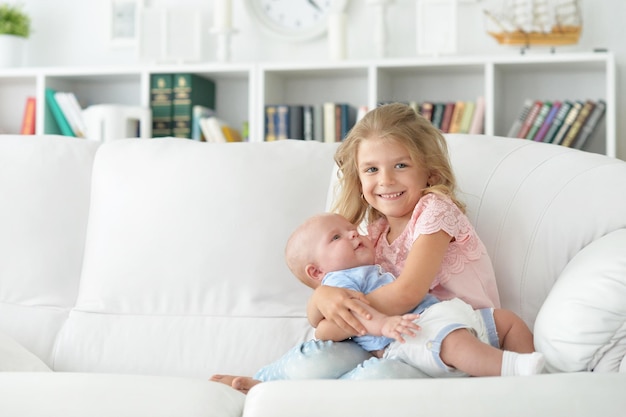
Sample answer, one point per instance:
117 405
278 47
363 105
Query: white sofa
136 269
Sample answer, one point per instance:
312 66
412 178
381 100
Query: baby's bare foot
240 383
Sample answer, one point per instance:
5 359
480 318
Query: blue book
59 123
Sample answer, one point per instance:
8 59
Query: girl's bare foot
240 383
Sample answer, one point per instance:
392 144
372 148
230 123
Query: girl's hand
339 305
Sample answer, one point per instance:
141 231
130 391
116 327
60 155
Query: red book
530 119
28 121
446 120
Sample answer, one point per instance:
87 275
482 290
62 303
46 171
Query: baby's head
324 243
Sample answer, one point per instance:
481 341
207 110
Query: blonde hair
400 123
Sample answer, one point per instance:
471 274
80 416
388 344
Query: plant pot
12 51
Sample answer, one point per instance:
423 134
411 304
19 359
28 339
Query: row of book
454 116
67 114
173 97
567 123
328 122
207 127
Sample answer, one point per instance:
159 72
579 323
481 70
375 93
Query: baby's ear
314 273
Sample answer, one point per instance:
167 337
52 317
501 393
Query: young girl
395 174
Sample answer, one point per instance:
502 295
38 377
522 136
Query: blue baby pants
317 359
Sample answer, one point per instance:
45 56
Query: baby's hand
396 327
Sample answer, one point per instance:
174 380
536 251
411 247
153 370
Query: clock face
294 19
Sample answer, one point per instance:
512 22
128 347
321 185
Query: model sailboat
536 22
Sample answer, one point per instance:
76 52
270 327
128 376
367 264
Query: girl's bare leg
463 351
513 332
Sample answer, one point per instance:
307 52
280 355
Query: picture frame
170 35
437 22
123 22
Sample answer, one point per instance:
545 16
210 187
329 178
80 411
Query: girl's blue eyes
336 237
399 165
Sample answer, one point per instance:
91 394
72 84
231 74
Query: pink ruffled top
466 271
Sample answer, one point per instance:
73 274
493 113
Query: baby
328 250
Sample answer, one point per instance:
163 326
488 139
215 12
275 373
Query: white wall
74 33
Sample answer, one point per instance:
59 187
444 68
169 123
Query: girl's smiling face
390 181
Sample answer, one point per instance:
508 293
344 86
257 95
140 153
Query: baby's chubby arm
379 324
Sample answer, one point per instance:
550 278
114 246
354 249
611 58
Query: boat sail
536 22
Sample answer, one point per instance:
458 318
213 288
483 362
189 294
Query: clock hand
314 4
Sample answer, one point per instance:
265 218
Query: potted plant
15 28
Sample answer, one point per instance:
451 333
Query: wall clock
294 20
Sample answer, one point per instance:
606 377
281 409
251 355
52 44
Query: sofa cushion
44 190
184 270
66 394
582 324
15 357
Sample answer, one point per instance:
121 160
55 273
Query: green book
189 90
55 122
161 104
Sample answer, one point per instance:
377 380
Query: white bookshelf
244 89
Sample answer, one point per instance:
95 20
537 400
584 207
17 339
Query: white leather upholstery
164 258
44 192
185 257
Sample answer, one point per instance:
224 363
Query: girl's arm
337 306
422 265
379 325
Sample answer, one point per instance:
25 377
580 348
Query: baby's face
338 245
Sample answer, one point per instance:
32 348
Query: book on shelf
199 112
446 119
578 122
567 122
318 123
519 121
466 120
426 110
360 112
539 119
477 126
216 130
557 122
329 118
308 125
161 104
28 119
296 121
438 109
541 133
457 117
58 124
189 90
591 125
270 122
73 112
346 117
245 131
282 122
530 119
